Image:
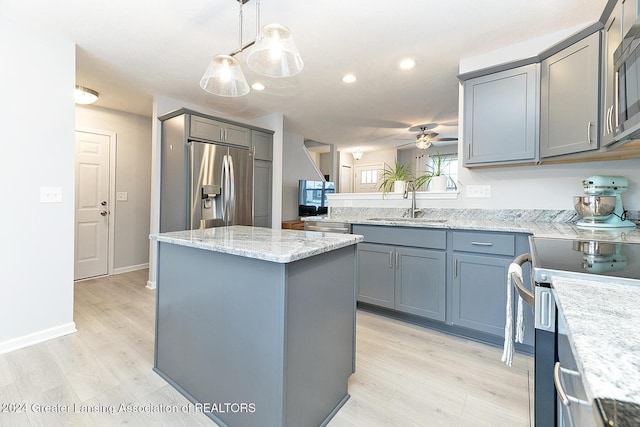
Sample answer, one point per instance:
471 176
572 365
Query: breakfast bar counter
257 325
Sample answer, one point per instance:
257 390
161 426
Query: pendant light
274 54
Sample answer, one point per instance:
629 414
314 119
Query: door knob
104 203
103 213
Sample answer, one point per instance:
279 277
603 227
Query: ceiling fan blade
443 139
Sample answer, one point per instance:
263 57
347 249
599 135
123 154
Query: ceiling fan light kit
273 54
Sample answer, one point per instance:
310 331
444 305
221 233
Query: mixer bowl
594 208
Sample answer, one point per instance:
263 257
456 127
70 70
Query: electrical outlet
477 191
50 194
122 196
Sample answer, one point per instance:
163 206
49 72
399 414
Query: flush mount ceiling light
84 95
357 154
273 54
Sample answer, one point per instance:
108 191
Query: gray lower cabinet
411 280
501 116
455 277
420 282
408 276
479 292
569 99
376 282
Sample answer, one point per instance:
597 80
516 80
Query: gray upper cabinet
262 145
501 112
213 130
569 99
612 36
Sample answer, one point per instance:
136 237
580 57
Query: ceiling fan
425 138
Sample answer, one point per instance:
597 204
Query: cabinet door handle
589 132
397 260
391 259
610 120
616 100
482 243
565 398
455 267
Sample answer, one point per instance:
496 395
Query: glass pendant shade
422 142
275 54
224 77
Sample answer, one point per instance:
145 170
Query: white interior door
92 205
365 179
346 172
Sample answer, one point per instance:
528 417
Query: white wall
296 165
37 80
133 176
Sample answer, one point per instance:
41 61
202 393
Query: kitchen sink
408 219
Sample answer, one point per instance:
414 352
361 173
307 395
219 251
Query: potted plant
394 178
435 176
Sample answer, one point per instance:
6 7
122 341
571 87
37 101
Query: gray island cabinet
257 326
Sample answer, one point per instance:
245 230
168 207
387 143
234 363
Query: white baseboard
130 268
37 337
151 285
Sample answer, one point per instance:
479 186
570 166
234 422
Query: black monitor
312 197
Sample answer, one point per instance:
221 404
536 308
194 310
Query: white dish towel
507 353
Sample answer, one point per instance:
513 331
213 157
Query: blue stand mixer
601 207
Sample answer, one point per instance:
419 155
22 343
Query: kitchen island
257 326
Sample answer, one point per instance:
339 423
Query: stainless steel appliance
624 118
203 182
587 259
602 205
220 185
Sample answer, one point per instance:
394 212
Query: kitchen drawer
485 243
402 236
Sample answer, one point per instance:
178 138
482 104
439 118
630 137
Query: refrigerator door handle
225 186
232 193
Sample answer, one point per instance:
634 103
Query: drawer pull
482 243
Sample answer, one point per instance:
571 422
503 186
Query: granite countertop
602 322
553 224
281 246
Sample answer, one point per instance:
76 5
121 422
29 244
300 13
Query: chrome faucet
411 184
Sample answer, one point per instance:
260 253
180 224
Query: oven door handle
524 293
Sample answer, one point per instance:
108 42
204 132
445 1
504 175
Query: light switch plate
50 194
122 196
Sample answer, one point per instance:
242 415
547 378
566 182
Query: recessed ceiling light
258 86
407 63
349 78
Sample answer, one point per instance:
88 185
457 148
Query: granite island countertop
602 322
267 244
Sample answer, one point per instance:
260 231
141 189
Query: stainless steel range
592 260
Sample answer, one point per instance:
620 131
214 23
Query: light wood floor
406 375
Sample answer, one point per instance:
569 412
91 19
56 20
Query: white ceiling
130 50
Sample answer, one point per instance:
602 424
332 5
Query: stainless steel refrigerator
220 181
